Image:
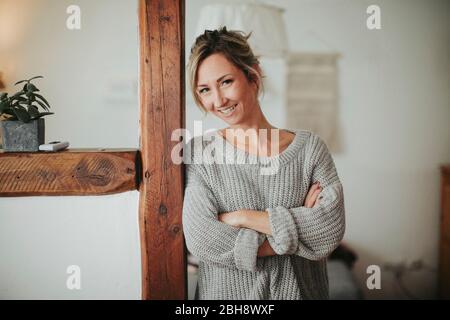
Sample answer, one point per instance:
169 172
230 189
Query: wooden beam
161 29
69 172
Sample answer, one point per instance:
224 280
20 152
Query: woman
257 236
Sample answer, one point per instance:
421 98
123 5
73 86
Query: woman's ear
257 79
258 68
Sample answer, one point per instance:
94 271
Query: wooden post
161 29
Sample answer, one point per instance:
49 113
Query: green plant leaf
10 112
42 98
42 114
24 103
3 96
37 77
18 94
33 111
19 98
31 98
31 87
4 105
18 82
22 115
18 106
42 105
21 81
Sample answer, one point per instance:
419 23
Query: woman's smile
225 91
228 111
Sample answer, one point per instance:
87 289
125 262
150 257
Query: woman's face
224 90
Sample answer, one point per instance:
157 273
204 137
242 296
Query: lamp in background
263 20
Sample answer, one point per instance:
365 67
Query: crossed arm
235 239
259 220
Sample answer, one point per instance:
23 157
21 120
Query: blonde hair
236 49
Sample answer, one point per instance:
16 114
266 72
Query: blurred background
379 98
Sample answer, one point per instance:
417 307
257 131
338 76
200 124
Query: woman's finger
313 188
317 200
310 202
316 193
314 196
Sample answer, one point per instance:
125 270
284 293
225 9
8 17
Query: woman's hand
259 220
250 219
265 250
312 198
233 218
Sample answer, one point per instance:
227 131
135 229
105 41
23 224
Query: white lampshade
264 21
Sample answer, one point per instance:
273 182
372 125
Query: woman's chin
233 120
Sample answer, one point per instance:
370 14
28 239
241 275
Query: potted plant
22 125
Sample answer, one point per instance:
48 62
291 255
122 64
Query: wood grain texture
161 29
444 249
69 172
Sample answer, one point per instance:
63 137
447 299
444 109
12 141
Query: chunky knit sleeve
207 238
315 232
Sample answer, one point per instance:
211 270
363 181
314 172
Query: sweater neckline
280 159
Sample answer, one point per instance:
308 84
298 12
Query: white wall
394 120
90 75
91 83
41 236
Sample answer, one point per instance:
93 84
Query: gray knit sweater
302 237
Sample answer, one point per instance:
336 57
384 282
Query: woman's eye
227 81
202 91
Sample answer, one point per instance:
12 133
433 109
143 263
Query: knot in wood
175 229
162 209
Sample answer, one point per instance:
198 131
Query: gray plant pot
23 137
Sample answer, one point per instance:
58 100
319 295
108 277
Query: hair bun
212 36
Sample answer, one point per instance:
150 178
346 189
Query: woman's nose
219 99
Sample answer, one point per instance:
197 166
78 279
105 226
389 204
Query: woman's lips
229 110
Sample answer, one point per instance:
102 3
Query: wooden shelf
96 171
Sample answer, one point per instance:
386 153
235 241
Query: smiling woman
227 85
224 43
256 236
231 95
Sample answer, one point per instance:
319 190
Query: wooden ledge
94 171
